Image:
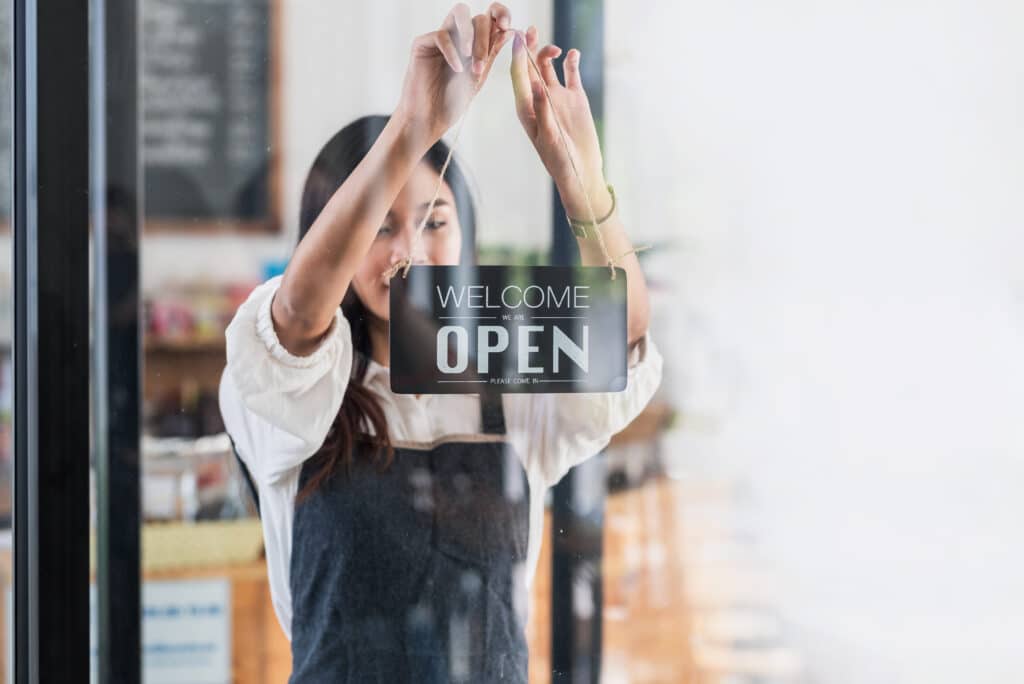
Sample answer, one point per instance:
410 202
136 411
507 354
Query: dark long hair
360 408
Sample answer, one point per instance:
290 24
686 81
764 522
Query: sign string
405 263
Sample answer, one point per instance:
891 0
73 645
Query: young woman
402 532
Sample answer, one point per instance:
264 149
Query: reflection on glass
265 520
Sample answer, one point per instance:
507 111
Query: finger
499 35
460 25
503 37
531 39
495 49
481 42
544 63
521 89
498 40
442 40
541 108
572 70
531 45
500 15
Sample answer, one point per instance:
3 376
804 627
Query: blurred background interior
826 486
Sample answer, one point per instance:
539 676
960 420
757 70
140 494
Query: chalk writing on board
206 108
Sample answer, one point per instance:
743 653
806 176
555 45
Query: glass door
196 140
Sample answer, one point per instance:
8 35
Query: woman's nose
404 245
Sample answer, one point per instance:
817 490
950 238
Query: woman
402 532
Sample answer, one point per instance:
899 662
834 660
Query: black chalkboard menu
207 112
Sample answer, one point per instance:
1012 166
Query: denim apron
414 574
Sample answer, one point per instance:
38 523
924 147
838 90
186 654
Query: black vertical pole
116 212
51 341
578 500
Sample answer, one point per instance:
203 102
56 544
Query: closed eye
434 225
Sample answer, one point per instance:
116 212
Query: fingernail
478 66
503 22
517 43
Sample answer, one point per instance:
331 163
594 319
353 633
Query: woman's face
440 243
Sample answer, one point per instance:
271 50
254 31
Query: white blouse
278 407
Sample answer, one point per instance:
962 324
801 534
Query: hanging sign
469 329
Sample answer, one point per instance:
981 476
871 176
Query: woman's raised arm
445 68
573 107
326 259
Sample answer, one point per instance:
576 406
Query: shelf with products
184 355
191 316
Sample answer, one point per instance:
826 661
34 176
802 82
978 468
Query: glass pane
818 484
211 154
442 566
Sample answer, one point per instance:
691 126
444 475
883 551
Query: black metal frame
117 370
577 512
50 218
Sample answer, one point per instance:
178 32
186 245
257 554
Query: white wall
845 178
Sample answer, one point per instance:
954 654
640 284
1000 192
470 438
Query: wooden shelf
210 346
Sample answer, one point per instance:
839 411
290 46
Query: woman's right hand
448 66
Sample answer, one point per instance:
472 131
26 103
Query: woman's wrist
411 136
575 200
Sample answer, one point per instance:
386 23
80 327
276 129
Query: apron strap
492 418
248 477
492 413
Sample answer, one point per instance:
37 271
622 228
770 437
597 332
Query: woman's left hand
573 109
